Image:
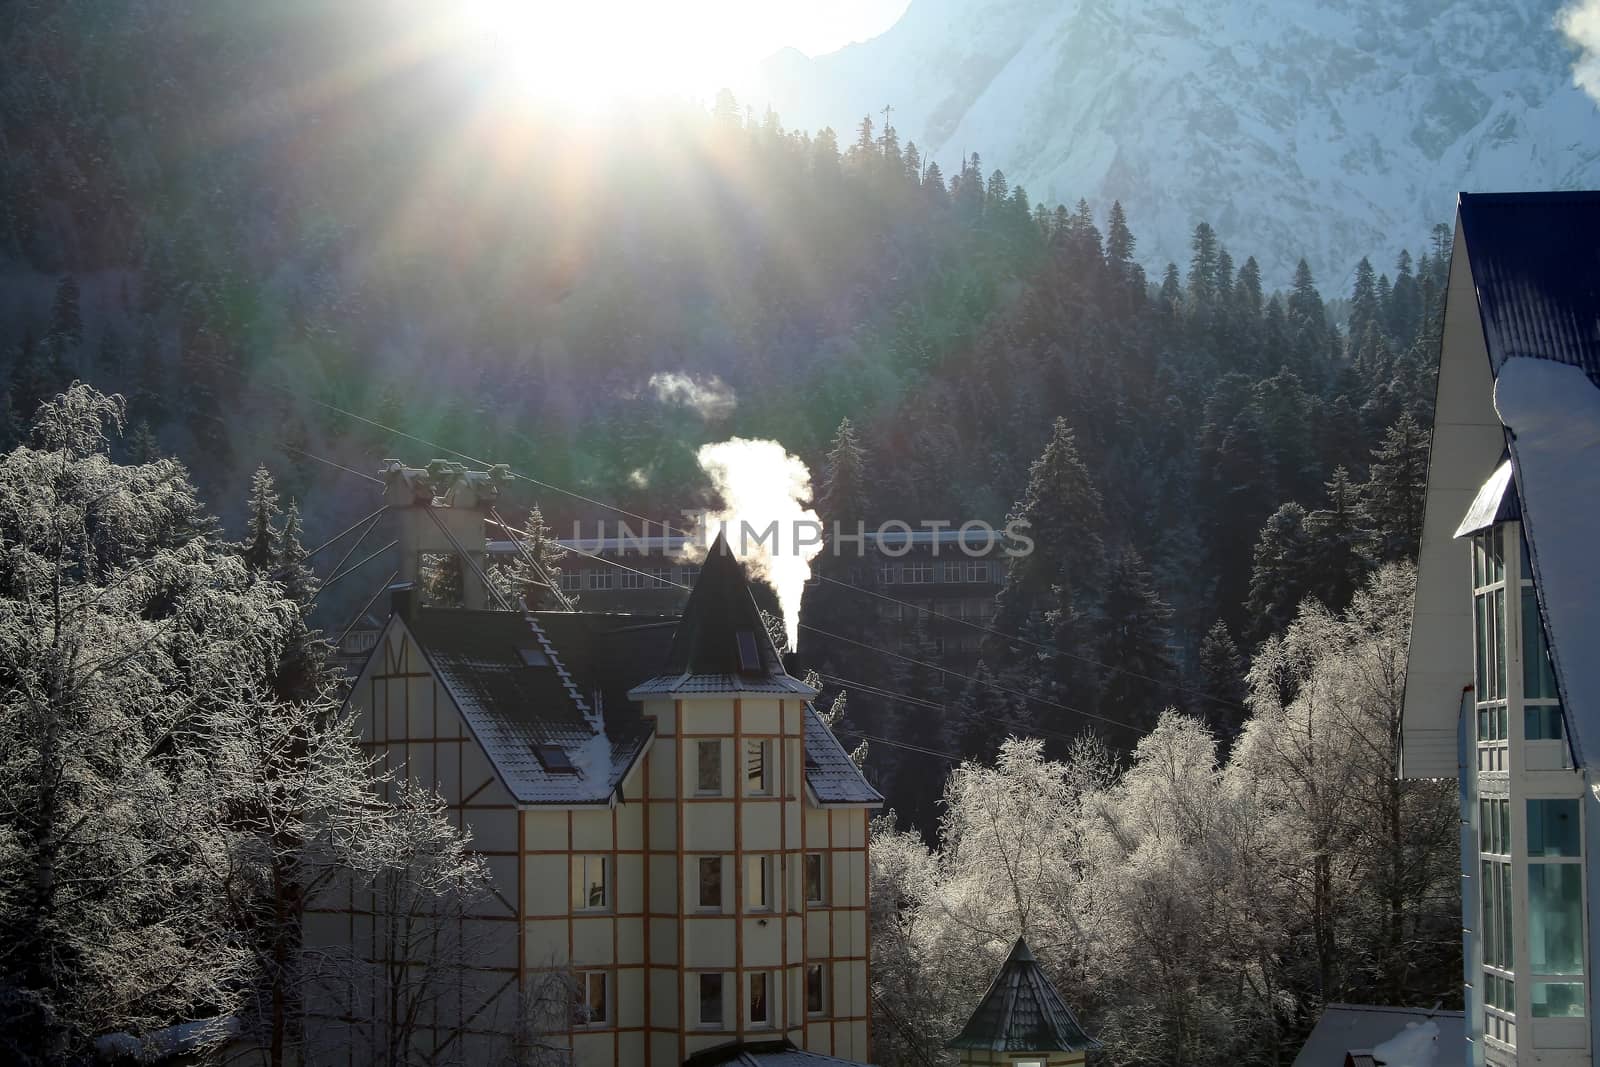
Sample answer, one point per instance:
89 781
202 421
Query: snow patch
1581 23
1553 412
1415 1046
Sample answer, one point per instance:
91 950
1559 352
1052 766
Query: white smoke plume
1581 23
765 493
710 398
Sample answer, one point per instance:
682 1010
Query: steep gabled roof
830 772
1536 266
1022 1012
519 701
721 644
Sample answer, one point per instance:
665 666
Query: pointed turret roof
1022 1012
721 644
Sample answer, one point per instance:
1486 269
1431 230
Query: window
708 770
1558 1000
596 1007
887 573
813 878
711 999
952 570
977 570
633 580
760 1011
571 581
888 611
589 889
814 995
757 887
919 572
711 882
662 576
688 575
749 658
1555 918
757 767
600 579
1553 828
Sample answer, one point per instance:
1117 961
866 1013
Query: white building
1503 684
670 826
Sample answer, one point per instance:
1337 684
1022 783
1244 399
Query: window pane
1538 676
711 881
709 771
1558 1000
1480 608
814 989
814 877
758 998
597 997
755 881
1553 828
1555 918
1504 807
755 766
1497 554
1499 621
711 999
1543 722
1506 944
595 868
1477 561
1488 888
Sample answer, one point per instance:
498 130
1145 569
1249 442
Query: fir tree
66 316
261 544
518 580
1134 640
1365 310
1202 267
1338 544
1222 680
1396 489
1280 572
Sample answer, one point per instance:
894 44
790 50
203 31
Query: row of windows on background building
573 581
595 1007
979 607
592 888
915 572
1555 912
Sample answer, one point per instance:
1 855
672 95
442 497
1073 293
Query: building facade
675 837
1500 688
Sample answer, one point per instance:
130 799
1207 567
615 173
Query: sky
581 53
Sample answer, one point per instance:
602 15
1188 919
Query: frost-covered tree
1133 644
518 580
1396 487
1279 573
120 623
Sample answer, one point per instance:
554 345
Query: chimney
403 600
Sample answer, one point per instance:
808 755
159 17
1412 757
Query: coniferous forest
253 220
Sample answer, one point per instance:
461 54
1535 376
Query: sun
588 56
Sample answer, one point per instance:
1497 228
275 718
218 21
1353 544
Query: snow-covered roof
1496 502
1552 413
832 775
524 709
1350 1028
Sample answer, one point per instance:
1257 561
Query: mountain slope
1295 127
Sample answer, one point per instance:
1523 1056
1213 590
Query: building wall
650 939
1512 769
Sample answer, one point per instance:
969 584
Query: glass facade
1555 918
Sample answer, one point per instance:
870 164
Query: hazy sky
580 50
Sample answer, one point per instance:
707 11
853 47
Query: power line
666 526
904 698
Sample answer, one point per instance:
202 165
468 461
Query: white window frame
888 573
917 572
978 570
700 1000
821 898
758 875
588 1017
571 581
750 979
952 570
582 865
700 883
763 786
599 578
821 971
634 580
701 749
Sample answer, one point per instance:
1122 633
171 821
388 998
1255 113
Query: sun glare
588 56
585 55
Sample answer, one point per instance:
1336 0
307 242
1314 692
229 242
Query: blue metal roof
1536 267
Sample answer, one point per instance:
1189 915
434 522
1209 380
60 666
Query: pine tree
1202 268
518 580
1134 637
984 718
1222 680
1365 310
843 499
1396 489
1120 243
141 444
1280 572
66 315
261 544
1338 544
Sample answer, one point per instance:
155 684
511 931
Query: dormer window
554 759
749 658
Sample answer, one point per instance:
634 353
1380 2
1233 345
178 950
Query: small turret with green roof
1022 1021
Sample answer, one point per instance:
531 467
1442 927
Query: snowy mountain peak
1330 129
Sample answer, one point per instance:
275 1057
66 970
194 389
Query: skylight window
554 758
533 657
749 658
